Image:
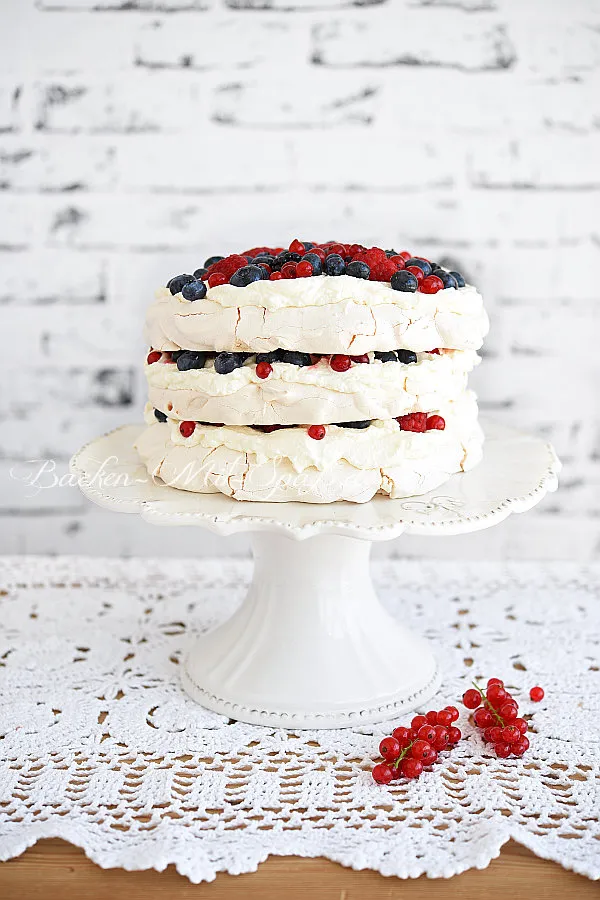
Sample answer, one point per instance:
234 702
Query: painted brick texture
138 137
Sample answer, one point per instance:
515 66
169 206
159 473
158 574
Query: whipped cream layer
289 465
323 314
315 394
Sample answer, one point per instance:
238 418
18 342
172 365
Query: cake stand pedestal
311 646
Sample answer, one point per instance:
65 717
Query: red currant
363 358
502 750
536 694
297 247
496 695
187 428
483 717
382 773
454 713
405 255
427 733
413 422
435 423
411 768
509 711
519 747
431 758
263 369
454 735
399 260
521 725
316 432
216 279
275 276
153 357
492 681
289 270
444 718
402 735
430 285
493 734
417 272
418 722
389 749
340 362
432 717
511 734
471 698
304 269
420 748
441 737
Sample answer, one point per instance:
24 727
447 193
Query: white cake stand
311 646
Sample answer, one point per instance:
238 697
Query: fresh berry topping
416 271
187 428
399 260
363 358
382 773
315 261
458 278
340 362
536 694
289 270
390 749
246 275
411 768
418 262
448 280
471 698
358 269
405 255
159 416
402 735
431 285
334 264
153 357
200 273
436 423
263 369
364 423
191 359
271 357
316 432
383 271
175 284
216 279
212 260
413 422
304 269
227 362
386 356
406 356
297 247
275 276
193 290
404 281
295 358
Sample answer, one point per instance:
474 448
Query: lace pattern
100 746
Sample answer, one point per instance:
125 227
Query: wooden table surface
55 870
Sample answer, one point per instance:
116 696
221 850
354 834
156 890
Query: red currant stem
489 706
397 762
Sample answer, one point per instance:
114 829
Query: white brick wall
139 136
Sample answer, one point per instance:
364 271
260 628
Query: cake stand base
313 638
311 646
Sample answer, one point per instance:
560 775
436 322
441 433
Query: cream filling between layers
315 394
324 314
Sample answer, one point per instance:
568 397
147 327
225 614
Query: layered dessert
316 373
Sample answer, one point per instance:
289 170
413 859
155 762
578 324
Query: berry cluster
496 713
318 432
408 751
303 259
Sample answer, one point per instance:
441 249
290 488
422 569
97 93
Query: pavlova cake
316 373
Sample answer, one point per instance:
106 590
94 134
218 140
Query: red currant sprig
496 713
408 751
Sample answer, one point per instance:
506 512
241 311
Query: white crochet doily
100 746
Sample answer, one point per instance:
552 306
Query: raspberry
383 271
228 266
536 694
413 422
340 362
263 369
316 432
187 428
153 357
436 423
304 269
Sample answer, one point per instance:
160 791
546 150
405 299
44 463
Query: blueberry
160 415
458 278
295 358
212 260
406 356
227 362
246 275
358 269
175 284
390 253
200 273
448 280
191 359
194 290
386 356
404 281
421 263
263 258
315 262
363 424
271 357
308 245
175 354
334 264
